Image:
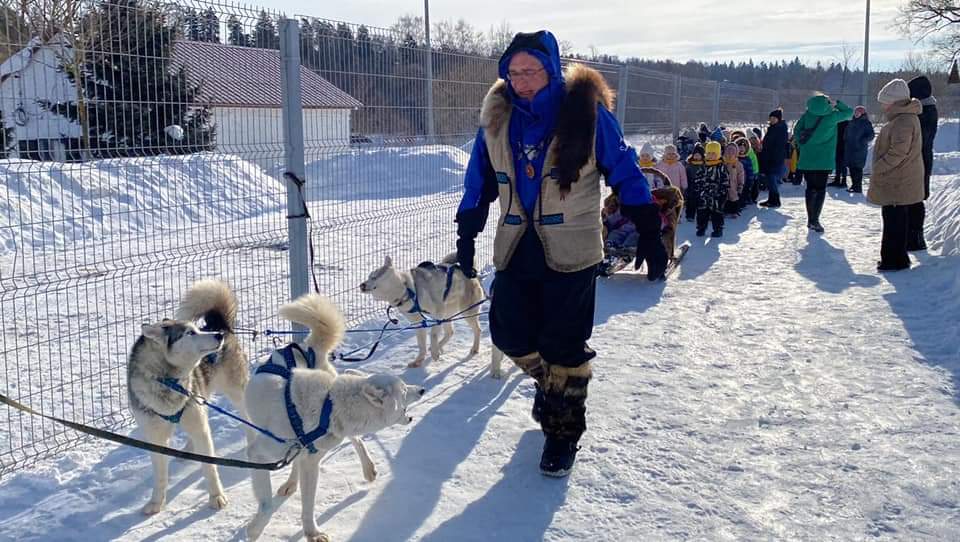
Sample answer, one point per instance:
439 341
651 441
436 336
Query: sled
675 262
615 262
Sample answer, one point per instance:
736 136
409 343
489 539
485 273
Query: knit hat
697 149
893 92
714 147
861 109
647 149
777 113
756 132
920 87
670 149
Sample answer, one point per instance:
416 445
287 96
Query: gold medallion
530 171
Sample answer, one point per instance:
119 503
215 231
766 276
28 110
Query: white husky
437 291
352 404
180 351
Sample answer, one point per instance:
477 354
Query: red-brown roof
250 77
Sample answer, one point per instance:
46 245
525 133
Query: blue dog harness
286 372
411 293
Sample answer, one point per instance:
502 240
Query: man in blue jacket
546 137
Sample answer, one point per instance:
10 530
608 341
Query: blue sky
679 30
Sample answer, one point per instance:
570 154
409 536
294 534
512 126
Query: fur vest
566 216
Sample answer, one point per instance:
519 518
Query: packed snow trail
776 387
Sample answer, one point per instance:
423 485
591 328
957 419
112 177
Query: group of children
713 182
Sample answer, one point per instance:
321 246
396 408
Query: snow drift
386 173
53 204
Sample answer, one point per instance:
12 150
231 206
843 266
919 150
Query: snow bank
386 173
943 213
948 136
52 204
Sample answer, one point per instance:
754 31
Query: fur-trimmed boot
532 365
564 416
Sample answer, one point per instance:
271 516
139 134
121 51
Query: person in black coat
857 138
773 157
840 170
703 133
921 89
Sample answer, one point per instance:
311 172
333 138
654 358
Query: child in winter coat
713 191
686 142
673 168
619 231
647 158
737 179
695 174
750 189
670 201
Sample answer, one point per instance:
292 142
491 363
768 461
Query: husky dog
202 360
355 404
438 291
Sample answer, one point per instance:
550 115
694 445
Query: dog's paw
288 488
152 508
218 502
370 473
315 536
496 373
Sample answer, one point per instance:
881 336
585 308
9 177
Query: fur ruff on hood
576 120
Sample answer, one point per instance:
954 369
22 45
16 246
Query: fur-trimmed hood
584 88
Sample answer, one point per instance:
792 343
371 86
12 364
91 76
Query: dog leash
290 455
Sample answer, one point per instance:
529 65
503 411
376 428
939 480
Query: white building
28 79
242 87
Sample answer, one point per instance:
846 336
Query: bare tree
915 62
499 37
846 58
935 21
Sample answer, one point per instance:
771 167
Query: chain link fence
144 146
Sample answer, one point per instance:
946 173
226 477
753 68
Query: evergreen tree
265 33
192 28
5 136
131 92
235 33
211 26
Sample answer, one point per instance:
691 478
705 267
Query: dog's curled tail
450 259
212 300
321 316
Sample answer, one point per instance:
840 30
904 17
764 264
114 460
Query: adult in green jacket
816 132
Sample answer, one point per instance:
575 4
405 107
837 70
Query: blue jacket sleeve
480 189
617 161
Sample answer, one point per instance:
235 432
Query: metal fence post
716 103
675 118
431 129
293 155
622 96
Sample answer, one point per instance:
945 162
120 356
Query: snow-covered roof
250 77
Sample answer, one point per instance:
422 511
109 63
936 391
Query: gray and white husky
438 291
361 404
203 360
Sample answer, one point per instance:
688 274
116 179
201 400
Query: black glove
465 251
646 218
469 224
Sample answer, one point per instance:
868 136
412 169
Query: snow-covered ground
776 387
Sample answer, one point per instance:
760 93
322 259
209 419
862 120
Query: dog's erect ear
387 261
154 332
375 394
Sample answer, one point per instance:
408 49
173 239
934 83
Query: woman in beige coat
897 179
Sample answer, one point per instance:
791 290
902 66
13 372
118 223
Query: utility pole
866 59
426 24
